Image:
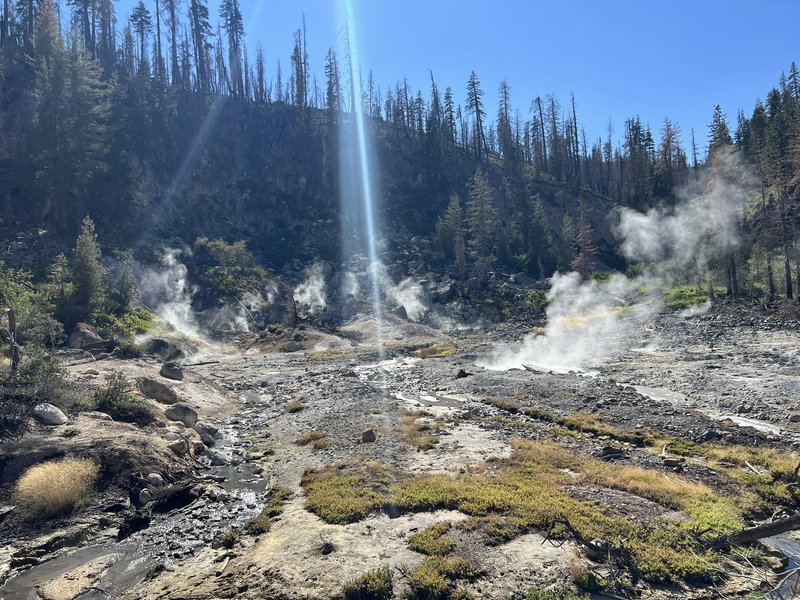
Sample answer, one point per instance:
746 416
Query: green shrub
115 399
561 592
537 299
70 432
276 497
685 296
372 585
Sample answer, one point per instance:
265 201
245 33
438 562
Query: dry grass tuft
295 406
56 487
438 351
315 439
419 433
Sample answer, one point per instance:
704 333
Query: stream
177 534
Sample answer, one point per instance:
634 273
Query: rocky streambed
420 411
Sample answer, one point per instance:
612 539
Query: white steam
311 294
589 321
407 293
698 229
165 290
586 322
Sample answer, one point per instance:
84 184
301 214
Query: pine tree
585 260
719 134
87 273
450 233
481 217
232 22
142 23
475 108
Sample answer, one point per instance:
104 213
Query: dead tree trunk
16 355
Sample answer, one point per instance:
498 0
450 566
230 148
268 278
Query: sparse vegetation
503 404
439 350
70 432
417 432
56 487
116 400
372 585
294 406
436 577
432 540
529 492
316 439
685 296
276 497
559 592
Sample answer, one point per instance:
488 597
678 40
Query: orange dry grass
56 487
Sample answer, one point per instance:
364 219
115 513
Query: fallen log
758 532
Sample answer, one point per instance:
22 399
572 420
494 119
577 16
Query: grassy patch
341 495
418 433
276 497
437 576
315 439
593 424
506 405
561 592
56 487
438 350
685 296
295 406
71 432
432 540
531 492
372 585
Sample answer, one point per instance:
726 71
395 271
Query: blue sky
619 57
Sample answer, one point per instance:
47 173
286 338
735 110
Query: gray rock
99 416
157 390
181 412
145 496
673 462
179 447
47 414
168 350
85 337
794 418
368 436
155 479
172 370
207 432
218 460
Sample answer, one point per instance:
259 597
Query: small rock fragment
368 436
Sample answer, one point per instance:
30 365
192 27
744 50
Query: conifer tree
87 273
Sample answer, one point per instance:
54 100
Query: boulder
368 436
85 337
217 460
172 370
157 390
47 414
207 432
181 412
155 479
794 418
179 447
168 350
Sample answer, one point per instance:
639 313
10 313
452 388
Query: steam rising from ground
585 321
311 293
696 231
165 290
407 293
589 321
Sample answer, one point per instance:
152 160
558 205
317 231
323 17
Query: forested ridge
162 124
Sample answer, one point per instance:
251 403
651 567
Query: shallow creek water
172 536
